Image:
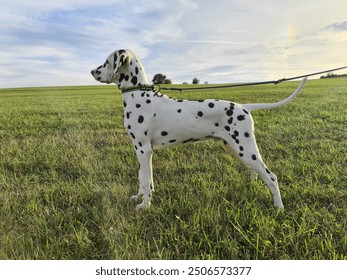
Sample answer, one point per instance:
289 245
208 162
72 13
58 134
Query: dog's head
123 68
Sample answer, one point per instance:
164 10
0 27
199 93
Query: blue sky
52 43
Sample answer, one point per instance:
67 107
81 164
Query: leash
157 88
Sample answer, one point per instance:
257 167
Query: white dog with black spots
154 120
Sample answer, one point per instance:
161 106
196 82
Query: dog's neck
131 74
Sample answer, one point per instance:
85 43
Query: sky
56 43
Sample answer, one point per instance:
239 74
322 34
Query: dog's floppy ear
120 57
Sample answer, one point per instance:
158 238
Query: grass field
67 170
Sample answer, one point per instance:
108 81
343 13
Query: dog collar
141 87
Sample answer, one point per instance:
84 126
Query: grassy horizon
68 169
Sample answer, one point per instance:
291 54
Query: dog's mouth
96 75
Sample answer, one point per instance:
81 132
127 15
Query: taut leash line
256 83
157 88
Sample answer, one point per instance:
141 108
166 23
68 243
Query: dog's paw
144 205
254 175
279 206
139 207
134 197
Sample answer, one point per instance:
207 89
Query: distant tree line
162 79
332 75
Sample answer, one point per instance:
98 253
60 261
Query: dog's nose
92 72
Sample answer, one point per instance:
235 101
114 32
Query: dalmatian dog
154 120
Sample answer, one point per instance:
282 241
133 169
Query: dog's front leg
145 178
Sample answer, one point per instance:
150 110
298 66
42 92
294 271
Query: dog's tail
252 107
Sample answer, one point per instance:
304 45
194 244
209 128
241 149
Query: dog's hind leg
145 178
229 150
248 153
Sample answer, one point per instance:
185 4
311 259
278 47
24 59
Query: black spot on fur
129 126
247 134
211 105
148 101
132 135
173 141
124 104
267 171
179 110
128 115
230 113
200 114
246 112
236 133
241 117
216 124
230 121
164 133
134 80
227 128
254 157
136 70
241 154
241 148
146 132
121 77
140 119
138 105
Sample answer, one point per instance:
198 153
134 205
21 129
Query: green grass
67 170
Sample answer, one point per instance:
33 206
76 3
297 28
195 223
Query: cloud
58 42
339 26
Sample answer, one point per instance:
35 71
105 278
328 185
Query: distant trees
332 75
196 81
161 79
